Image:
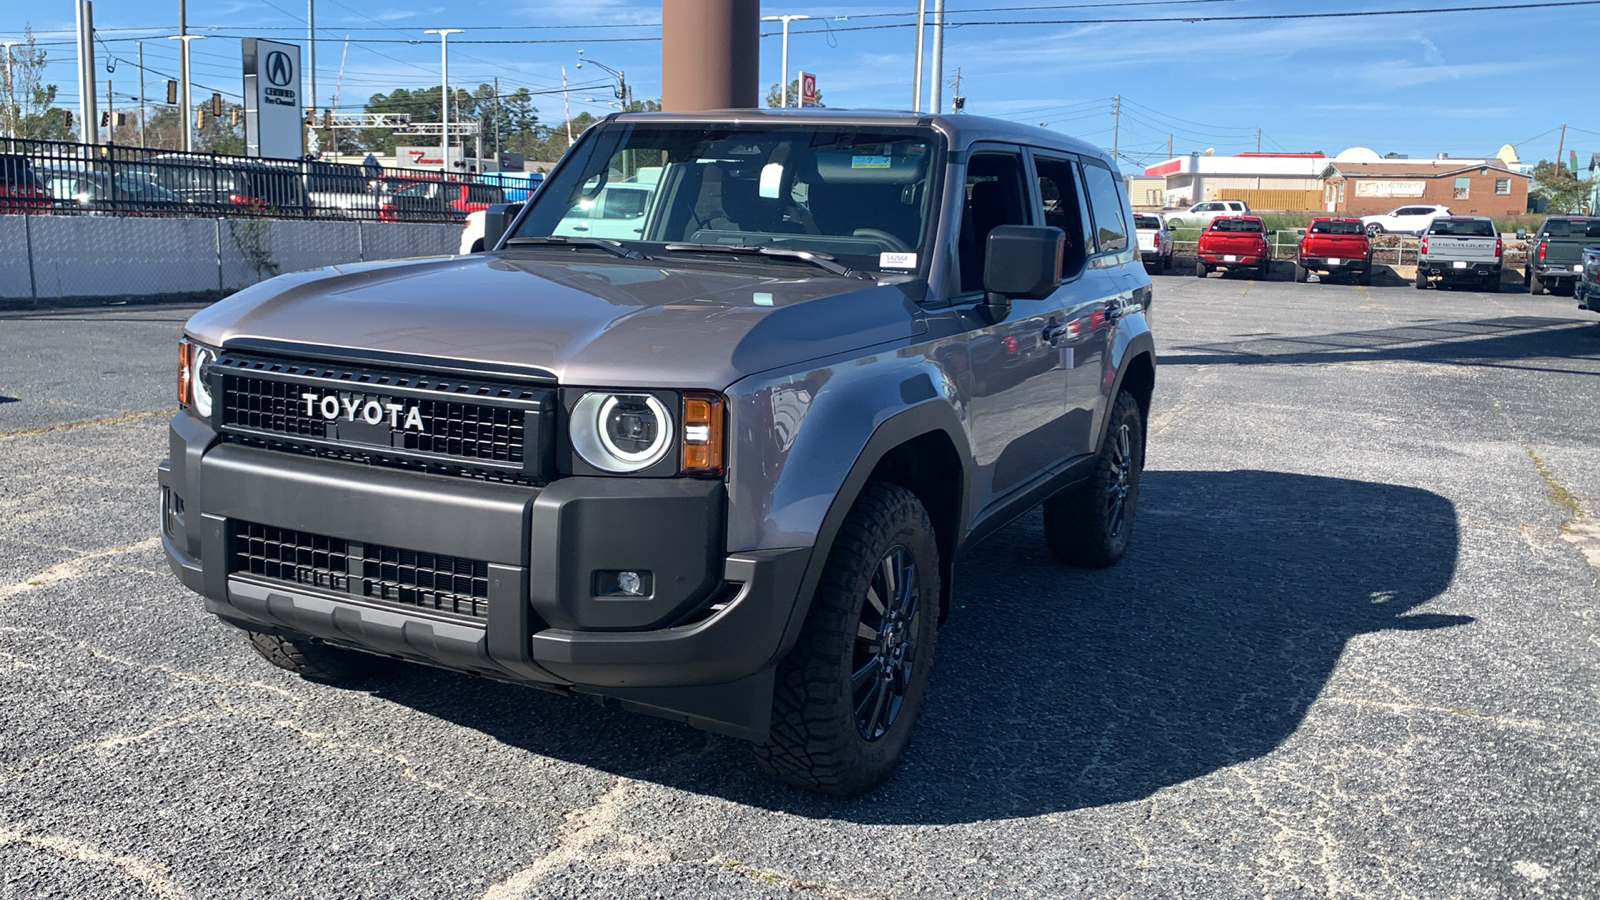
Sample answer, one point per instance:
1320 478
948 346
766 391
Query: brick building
1483 187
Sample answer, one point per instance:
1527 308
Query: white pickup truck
1155 242
1460 249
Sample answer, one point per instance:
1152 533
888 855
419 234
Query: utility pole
916 77
141 93
1560 146
936 97
89 126
311 40
1169 145
11 127
1258 140
111 112
497 123
444 93
957 102
1116 123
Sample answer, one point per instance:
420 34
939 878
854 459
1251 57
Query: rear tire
1364 277
1374 230
1092 524
844 703
1422 280
1535 284
1200 270
1491 283
1300 274
315 660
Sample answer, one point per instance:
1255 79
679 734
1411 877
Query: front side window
859 194
1062 203
1105 205
996 194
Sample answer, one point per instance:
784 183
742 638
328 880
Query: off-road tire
315 660
1535 284
1200 270
1300 273
1078 526
816 742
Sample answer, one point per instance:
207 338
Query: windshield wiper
820 260
615 248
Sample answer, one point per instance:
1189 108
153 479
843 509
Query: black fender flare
929 417
1142 344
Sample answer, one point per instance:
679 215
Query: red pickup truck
1231 243
1335 246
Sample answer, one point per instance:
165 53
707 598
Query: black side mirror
1021 261
1172 226
496 219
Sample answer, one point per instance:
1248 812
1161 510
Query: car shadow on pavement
1059 689
1499 342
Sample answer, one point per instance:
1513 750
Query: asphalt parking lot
1354 651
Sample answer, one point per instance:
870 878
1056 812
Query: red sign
808 89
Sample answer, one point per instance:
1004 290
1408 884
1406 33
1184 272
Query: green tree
27 104
1559 187
775 99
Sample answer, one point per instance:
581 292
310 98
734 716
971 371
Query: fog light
624 583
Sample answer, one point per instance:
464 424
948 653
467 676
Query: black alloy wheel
885 646
1092 524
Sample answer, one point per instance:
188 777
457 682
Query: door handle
1118 308
1053 332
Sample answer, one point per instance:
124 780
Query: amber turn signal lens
183 372
702 434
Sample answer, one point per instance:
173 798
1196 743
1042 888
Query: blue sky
1457 83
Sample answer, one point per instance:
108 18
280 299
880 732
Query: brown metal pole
710 52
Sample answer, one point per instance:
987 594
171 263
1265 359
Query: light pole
444 93
183 77
622 92
783 80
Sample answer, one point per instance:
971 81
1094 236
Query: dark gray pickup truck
721 472
1555 253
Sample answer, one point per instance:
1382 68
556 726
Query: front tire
848 694
1091 525
315 660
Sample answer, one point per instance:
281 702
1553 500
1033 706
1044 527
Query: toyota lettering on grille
333 407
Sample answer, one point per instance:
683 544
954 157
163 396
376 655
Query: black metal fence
54 177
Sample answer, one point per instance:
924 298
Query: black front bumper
699 647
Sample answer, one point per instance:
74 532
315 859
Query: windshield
1463 228
1238 225
860 194
1335 227
1146 221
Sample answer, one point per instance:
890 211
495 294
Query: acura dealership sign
272 114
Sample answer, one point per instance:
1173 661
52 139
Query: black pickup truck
1555 253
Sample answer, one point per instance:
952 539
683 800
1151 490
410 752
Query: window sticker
869 162
888 260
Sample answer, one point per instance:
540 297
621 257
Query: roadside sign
808 89
272 116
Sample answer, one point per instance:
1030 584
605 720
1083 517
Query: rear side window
1062 206
1105 205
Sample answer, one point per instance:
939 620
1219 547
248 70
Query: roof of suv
961 130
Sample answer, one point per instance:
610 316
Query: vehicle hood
581 317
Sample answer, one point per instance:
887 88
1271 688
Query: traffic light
199 118
960 104
311 117
105 118
233 117
216 104
66 120
172 92
327 118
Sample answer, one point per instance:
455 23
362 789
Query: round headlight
621 432
200 383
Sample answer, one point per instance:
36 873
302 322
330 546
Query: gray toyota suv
720 472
